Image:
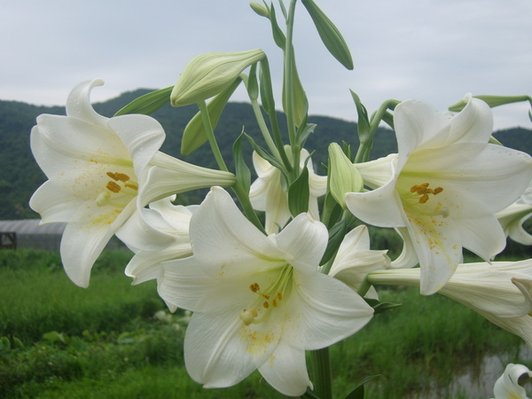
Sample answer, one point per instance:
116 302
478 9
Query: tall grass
38 297
61 341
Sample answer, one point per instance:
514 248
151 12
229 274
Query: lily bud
343 175
209 74
260 9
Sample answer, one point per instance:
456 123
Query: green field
114 340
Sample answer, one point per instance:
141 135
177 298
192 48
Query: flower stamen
267 299
423 191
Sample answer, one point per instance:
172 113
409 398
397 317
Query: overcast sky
431 50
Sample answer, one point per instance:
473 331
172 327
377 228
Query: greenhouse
28 233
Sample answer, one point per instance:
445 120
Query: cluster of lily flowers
263 290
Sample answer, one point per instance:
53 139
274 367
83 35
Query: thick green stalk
288 79
210 136
321 370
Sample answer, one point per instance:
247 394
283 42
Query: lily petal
327 317
286 370
217 357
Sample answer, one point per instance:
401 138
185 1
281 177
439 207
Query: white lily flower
500 291
269 192
354 260
99 171
513 218
508 385
156 234
259 301
444 186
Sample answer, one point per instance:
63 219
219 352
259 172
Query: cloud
427 49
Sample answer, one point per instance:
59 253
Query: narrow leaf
278 35
266 93
194 136
263 153
252 84
329 34
492 101
358 392
298 194
363 125
243 175
300 105
147 103
306 132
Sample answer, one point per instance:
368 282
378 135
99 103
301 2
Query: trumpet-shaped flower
509 384
269 192
355 260
499 291
259 301
99 171
156 234
444 186
513 217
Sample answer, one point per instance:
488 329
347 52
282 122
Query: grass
113 340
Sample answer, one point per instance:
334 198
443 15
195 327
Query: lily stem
210 136
322 373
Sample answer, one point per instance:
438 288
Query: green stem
264 130
247 208
210 136
288 78
322 373
364 149
272 114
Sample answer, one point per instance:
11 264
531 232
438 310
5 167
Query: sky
431 50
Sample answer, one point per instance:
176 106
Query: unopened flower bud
208 74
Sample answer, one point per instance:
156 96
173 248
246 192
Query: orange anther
112 186
424 198
254 287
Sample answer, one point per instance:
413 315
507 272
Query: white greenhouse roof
31 226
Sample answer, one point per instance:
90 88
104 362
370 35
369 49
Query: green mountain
21 175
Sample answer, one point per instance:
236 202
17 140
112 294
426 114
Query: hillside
21 175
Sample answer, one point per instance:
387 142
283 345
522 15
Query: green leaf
300 104
147 103
242 173
278 36
263 153
363 124
306 131
54 337
194 136
298 194
492 101
358 392
252 84
266 93
381 307
5 344
331 212
329 34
